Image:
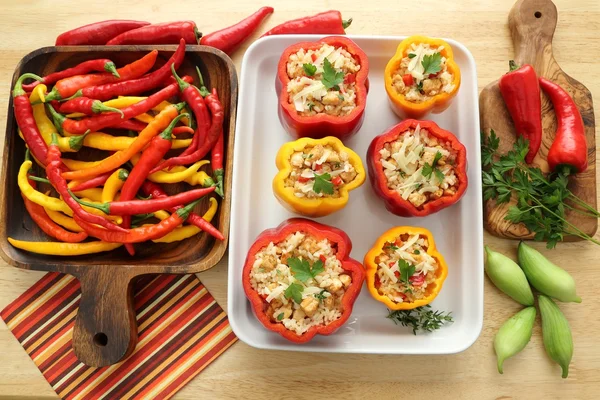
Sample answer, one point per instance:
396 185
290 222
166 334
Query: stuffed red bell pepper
323 88
300 279
417 168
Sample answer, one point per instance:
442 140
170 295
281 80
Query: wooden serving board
105 330
532 24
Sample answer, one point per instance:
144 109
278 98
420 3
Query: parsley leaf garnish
541 200
294 291
421 318
417 252
411 55
309 69
428 169
280 317
341 97
302 269
432 64
321 296
439 175
323 184
420 86
394 247
331 78
406 270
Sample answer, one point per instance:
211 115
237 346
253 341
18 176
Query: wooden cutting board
532 24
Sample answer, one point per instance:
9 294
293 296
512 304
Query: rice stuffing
322 81
301 280
423 73
405 271
319 171
419 167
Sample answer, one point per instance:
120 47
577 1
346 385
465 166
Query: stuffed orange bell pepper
323 88
403 268
422 77
315 176
300 279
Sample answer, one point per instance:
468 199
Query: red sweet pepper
392 199
165 33
326 23
339 239
230 38
570 146
322 125
97 33
521 93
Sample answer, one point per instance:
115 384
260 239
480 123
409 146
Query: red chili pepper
93 182
151 188
322 125
216 163
393 201
570 146
138 126
216 127
230 38
98 122
54 170
337 181
97 33
49 227
322 258
408 79
83 85
350 266
86 106
141 234
26 122
165 33
99 65
328 22
521 93
140 85
133 207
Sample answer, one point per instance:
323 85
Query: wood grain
105 330
532 24
482 26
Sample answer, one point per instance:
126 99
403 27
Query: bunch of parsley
541 200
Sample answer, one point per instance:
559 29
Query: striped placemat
181 329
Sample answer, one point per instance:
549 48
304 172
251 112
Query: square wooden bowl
105 330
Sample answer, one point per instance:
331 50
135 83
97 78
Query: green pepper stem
78 93
76 142
198 34
346 23
208 182
513 66
167 134
219 178
184 212
182 84
37 179
27 154
104 207
18 90
180 106
112 68
123 175
98 107
54 140
58 118
202 90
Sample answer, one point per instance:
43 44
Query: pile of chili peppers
103 199
125 32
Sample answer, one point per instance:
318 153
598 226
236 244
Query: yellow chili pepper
391 237
46 126
64 249
51 203
76 165
405 108
63 220
184 232
162 214
319 206
190 175
94 194
104 141
113 184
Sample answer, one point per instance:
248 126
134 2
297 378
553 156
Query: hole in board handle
538 14
100 339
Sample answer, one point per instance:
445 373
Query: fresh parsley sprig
432 64
309 69
323 184
294 291
331 78
541 201
421 318
406 270
302 270
428 169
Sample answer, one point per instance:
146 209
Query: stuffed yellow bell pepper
315 175
422 77
404 270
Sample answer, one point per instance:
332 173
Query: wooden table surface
481 25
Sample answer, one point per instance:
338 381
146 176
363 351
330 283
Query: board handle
532 24
105 331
